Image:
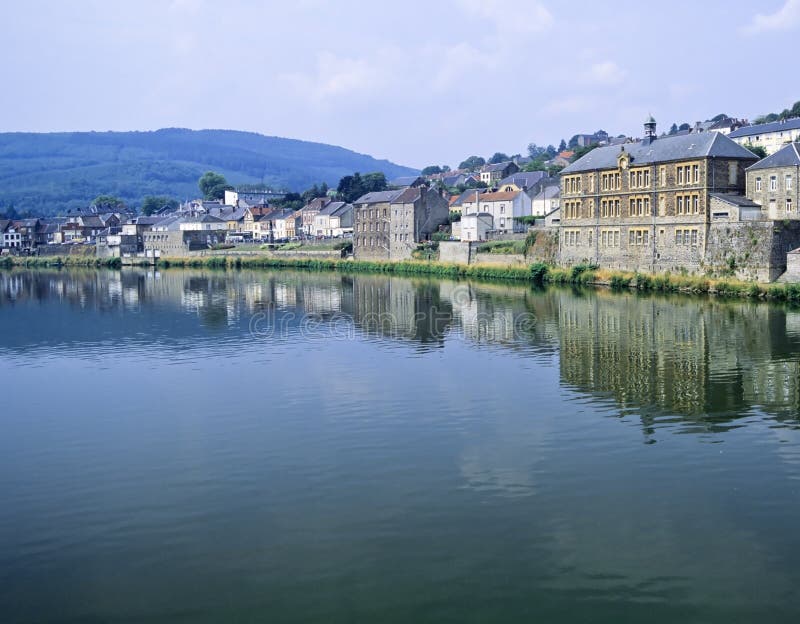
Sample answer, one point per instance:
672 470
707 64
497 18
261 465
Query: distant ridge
49 173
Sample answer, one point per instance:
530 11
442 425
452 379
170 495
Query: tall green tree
758 150
108 202
498 157
152 204
472 163
213 185
562 146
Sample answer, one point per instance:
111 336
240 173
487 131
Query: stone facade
646 206
773 183
389 224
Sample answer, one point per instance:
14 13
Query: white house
771 136
505 208
546 201
475 226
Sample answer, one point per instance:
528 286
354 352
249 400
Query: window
680 175
679 200
502 223
773 183
733 173
787 183
694 237
758 184
502 208
663 175
789 204
696 173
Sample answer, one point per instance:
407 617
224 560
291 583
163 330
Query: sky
417 82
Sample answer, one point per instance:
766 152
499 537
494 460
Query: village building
546 200
334 220
388 225
505 208
491 174
522 181
646 205
773 183
771 136
309 212
476 226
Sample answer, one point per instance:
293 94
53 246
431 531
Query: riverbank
538 273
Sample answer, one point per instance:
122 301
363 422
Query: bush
539 271
619 282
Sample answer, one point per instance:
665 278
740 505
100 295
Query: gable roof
526 178
548 192
331 208
787 156
378 197
500 196
409 195
775 126
406 181
663 149
497 166
4 223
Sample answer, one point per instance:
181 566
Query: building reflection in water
707 362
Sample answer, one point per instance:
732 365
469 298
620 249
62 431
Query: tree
213 185
562 146
374 182
758 150
108 202
673 129
498 157
684 126
582 151
432 170
152 204
719 117
472 163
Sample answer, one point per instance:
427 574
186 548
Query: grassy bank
61 261
537 273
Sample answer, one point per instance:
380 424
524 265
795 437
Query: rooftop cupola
650 130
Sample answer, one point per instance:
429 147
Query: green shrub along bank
59 261
538 273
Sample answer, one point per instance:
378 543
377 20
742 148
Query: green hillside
51 173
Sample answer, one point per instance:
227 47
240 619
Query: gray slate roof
378 197
775 126
332 207
497 166
663 149
787 156
405 181
736 200
527 179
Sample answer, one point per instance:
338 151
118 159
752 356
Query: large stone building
646 205
388 225
773 183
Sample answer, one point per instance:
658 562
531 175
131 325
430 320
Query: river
200 446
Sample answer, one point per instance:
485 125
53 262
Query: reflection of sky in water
556 452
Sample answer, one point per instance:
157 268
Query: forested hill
51 173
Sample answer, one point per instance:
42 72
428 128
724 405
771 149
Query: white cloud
785 18
510 16
605 72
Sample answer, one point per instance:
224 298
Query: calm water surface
297 447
